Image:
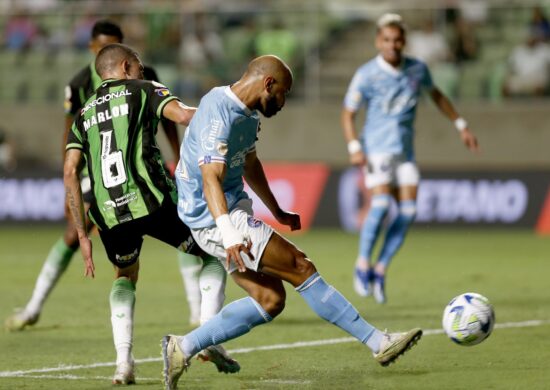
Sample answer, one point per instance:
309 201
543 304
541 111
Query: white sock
212 286
55 265
122 300
190 268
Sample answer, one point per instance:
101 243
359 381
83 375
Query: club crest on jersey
222 148
162 91
253 222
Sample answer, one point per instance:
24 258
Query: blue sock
370 230
331 306
234 320
397 231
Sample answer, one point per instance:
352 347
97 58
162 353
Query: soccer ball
468 319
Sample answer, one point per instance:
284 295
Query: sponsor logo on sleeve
210 133
162 92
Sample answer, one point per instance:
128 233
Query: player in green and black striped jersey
86 81
114 135
116 132
79 89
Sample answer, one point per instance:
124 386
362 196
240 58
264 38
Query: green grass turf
511 268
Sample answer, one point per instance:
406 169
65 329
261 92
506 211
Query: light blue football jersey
223 130
391 96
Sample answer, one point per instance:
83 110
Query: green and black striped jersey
84 84
116 131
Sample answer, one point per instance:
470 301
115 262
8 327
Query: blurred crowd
523 70
210 45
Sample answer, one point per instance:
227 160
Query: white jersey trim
211 159
387 67
238 101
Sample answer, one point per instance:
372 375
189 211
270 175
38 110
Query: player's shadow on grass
397 371
39 328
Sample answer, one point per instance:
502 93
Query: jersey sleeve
354 96
427 81
71 104
158 97
214 138
74 138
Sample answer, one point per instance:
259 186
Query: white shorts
392 169
242 216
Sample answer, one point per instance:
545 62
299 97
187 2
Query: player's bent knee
303 266
273 302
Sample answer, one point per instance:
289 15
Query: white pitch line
300 344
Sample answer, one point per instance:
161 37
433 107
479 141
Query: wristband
460 124
230 235
354 146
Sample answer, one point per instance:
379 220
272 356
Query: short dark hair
111 55
106 27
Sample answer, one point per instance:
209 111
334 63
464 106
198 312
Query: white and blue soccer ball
468 319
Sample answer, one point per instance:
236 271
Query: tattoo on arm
76 209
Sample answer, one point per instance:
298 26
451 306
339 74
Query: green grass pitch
71 346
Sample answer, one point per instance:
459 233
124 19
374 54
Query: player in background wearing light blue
390 85
218 151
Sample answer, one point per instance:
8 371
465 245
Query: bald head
264 85
270 66
117 61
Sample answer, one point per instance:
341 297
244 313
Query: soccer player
114 135
390 84
218 150
80 88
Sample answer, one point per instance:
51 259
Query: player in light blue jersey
215 142
390 85
219 150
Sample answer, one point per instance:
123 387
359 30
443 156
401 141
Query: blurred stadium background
491 205
195 45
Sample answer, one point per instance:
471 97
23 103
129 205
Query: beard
271 107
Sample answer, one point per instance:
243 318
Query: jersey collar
237 101
387 67
107 81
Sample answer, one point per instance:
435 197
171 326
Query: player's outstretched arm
71 170
171 131
234 241
255 177
447 108
178 112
